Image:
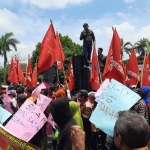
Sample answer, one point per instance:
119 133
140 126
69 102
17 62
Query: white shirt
14 102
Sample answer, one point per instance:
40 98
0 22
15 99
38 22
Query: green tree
141 46
70 49
6 43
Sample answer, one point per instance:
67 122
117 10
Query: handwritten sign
43 102
27 121
4 115
10 142
102 88
117 97
7 101
37 91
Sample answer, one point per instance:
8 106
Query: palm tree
140 47
126 47
6 43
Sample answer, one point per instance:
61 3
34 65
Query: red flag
47 51
12 75
34 76
132 69
21 77
94 77
29 74
145 78
60 57
70 76
114 65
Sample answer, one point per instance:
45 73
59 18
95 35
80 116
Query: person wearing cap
88 38
13 103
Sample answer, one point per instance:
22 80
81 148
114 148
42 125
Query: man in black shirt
101 59
88 38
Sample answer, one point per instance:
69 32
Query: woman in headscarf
146 89
75 108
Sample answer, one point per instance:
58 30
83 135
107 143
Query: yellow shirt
31 98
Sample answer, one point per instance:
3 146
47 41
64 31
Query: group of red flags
16 74
51 51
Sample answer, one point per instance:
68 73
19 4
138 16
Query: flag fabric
34 76
133 69
60 57
70 76
47 51
21 77
12 75
29 74
95 71
145 76
114 67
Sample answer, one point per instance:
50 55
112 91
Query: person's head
21 98
100 50
60 111
131 130
91 97
85 26
29 92
20 90
51 90
10 87
11 94
141 93
44 92
82 95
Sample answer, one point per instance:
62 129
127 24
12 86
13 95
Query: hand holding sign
117 97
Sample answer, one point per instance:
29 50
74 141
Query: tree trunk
5 61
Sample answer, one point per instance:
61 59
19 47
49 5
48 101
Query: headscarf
146 89
75 108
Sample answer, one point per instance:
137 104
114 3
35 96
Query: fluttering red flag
70 76
21 77
59 55
95 71
114 67
47 50
29 74
145 77
12 75
34 76
133 69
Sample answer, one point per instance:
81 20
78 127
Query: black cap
85 24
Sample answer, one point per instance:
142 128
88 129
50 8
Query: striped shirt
141 108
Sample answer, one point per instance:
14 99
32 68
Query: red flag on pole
21 77
47 51
60 57
34 76
29 73
145 78
12 75
70 76
114 67
133 69
95 71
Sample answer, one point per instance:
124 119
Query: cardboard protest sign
117 97
7 101
37 91
43 102
4 115
102 88
27 121
10 142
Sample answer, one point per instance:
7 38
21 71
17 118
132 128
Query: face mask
78 100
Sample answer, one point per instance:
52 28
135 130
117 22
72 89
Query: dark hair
45 91
30 90
20 90
141 93
100 49
83 93
132 128
21 98
52 88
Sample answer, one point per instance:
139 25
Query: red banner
10 142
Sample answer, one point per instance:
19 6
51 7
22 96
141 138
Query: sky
30 19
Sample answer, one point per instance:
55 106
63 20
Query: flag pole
57 75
